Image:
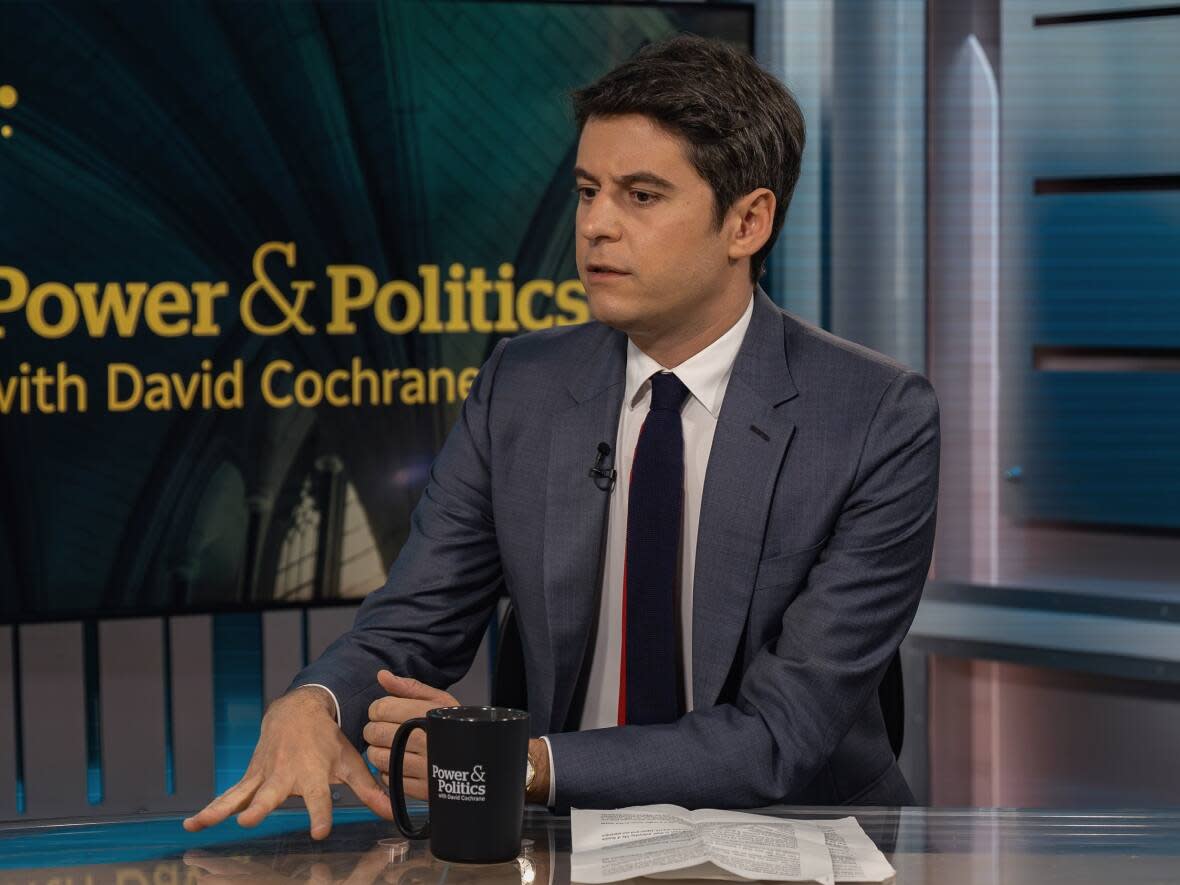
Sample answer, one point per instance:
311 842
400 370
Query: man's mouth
597 268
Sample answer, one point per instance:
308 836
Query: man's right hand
301 752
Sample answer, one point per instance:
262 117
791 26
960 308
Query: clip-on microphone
598 473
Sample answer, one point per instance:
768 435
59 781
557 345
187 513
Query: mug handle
397 794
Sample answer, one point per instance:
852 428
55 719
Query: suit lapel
575 514
748 447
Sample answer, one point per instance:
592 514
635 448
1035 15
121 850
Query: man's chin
615 316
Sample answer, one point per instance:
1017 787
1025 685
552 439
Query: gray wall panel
876 142
132 698
53 715
282 651
192 710
325 625
7 729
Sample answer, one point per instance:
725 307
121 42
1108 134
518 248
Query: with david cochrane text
468 300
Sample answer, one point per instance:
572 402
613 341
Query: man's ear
750 219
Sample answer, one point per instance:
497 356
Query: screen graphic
253 256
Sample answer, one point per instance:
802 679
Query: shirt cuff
552 774
336 703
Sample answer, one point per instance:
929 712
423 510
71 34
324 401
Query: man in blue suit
713 519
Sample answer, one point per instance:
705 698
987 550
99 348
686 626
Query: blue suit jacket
816 530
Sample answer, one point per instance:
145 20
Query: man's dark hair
743 127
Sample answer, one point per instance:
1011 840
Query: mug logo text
460 784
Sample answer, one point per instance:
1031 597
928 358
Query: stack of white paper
669 842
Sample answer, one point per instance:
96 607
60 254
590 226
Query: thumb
407 687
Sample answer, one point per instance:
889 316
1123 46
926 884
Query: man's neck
673 348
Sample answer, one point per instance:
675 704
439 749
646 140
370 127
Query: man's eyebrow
632 178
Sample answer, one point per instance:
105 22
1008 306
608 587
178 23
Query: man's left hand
408 699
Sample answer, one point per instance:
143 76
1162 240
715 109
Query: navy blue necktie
649 690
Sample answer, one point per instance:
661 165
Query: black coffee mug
476 759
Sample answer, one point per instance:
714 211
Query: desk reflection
925 846
394 860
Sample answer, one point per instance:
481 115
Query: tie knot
667 392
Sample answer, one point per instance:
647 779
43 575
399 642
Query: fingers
415 789
413 766
270 796
380 757
318 799
397 710
405 687
231 801
354 773
381 734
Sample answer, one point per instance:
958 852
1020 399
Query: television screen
253 256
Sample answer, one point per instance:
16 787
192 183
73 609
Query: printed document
669 842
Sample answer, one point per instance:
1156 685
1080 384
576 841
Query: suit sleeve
429 617
801 693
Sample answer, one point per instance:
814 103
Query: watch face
529 773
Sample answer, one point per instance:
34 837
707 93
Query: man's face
648 251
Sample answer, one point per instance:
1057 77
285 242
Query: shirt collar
705 374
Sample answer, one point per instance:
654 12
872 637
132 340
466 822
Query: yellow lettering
506 315
330 394
429 273
478 287
384 313
167 300
389 378
8 392
309 389
18 291
229 389
67 381
414 389
206 294
359 374
36 310
343 302
442 376
158 397
186 388
524 304
123 309
277 400
456 321
571 299
115 371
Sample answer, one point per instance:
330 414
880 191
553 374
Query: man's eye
643 198
584 192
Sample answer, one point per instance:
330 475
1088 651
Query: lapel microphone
604 477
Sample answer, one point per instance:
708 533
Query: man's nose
598 220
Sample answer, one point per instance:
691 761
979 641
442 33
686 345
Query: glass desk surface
959 846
